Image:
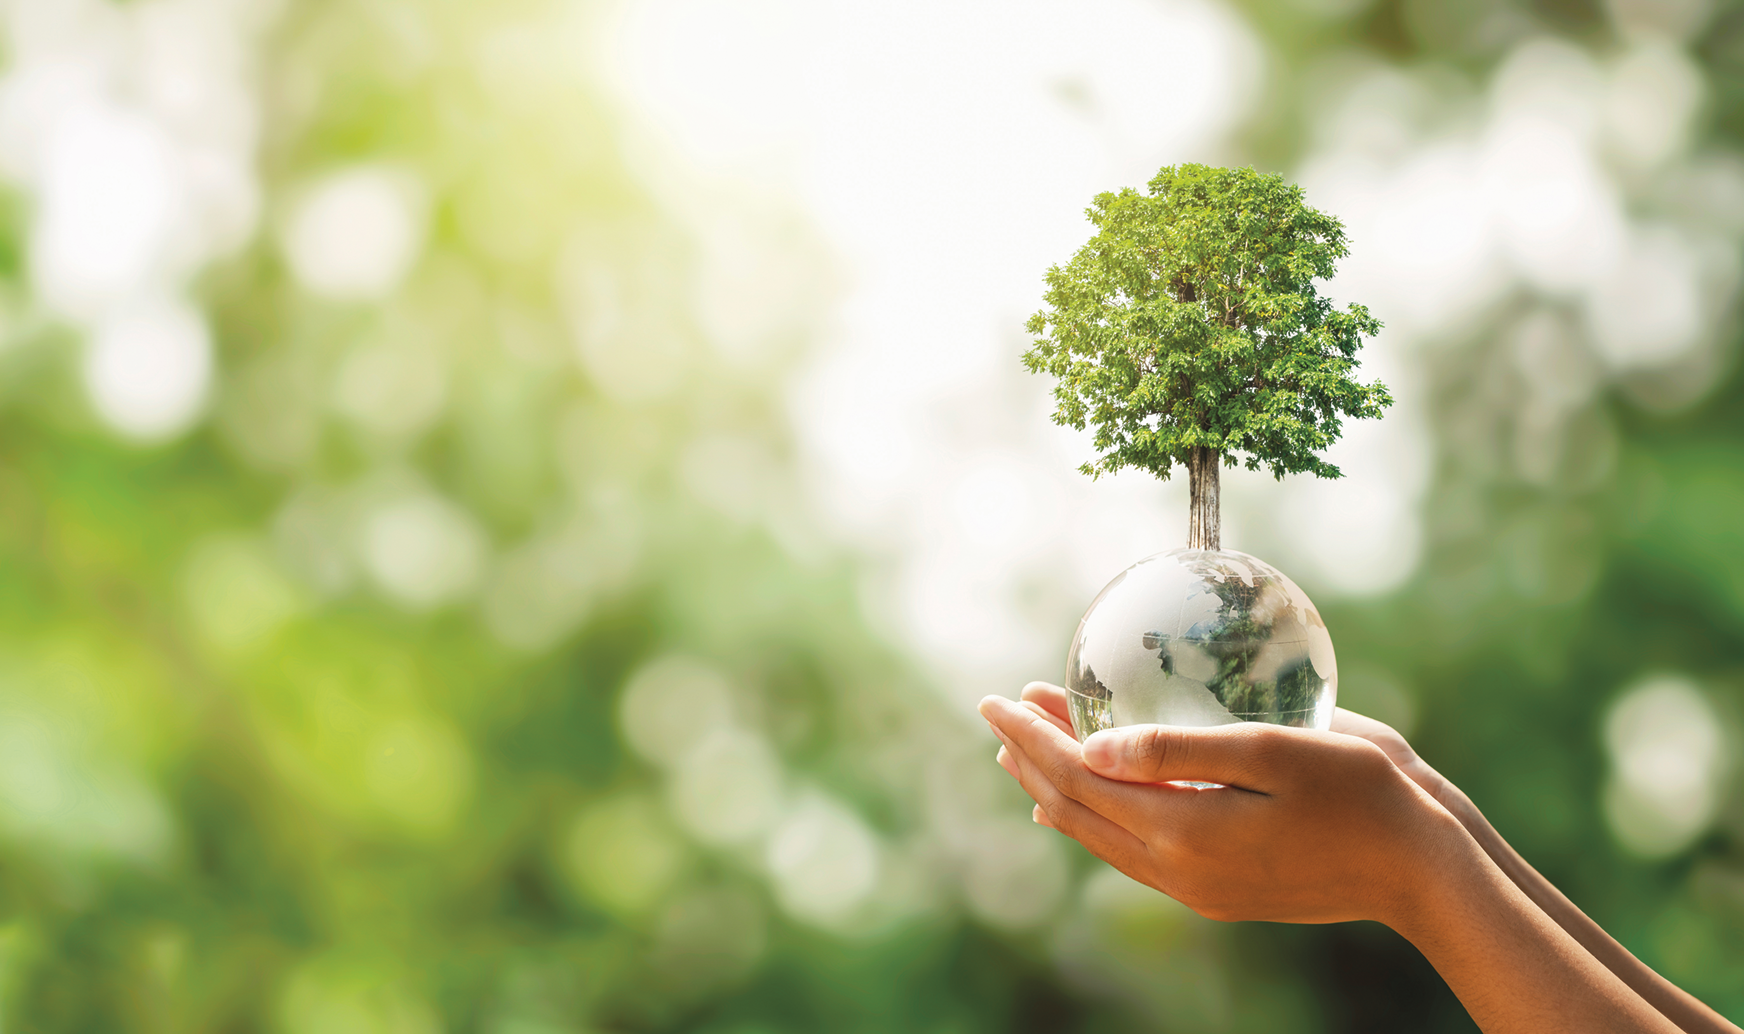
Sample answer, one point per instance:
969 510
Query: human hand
1052 701
1400 753
1308 826
1509 960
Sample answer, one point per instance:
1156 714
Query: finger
1053 719
1006 761
1399 751
1039 744
1352 724
1234 755
1051 699
1022 721
1379 733
1040 817
1106 839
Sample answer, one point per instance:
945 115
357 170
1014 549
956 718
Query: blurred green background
505 507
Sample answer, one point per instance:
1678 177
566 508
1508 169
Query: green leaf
1191 320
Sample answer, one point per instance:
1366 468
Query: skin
1673 1002
1317 827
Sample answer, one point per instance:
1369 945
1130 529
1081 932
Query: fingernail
1102 749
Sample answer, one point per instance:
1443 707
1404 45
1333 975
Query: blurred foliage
1541 597
242 791
262 769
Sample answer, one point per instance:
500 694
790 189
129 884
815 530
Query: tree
1188 330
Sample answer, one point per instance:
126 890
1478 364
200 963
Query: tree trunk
1202 513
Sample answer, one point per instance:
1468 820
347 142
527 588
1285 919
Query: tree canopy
1191 321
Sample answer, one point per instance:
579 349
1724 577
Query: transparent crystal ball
1201 637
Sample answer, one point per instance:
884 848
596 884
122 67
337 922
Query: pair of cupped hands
1303 826
1306 826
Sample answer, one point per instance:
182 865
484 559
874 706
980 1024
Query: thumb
1163 753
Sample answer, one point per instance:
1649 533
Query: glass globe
1201 637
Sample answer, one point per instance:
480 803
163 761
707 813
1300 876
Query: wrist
1457 803
1500 854
1466 813
1441 876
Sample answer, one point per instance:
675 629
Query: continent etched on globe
1201 637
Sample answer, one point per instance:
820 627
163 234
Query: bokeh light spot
1668 755
340 995
237 593
728 789
147 369
671 705
110 200
356 233
824 860
419 772
423 550
619 855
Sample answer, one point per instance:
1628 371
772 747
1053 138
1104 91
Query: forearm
1515 970
1676 1004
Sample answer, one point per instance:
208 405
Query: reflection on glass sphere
1201 637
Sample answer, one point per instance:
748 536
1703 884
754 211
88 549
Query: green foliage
1190 320
237 796
247 789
